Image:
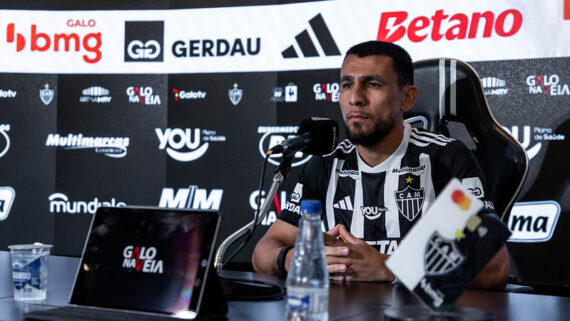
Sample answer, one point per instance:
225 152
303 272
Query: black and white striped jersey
380 204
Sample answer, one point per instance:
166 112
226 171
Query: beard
359 136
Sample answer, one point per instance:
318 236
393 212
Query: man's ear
409 94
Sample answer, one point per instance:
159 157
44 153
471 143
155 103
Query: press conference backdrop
176 108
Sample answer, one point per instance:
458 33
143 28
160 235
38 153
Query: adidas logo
344 204
307 45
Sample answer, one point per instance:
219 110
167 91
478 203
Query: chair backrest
451 101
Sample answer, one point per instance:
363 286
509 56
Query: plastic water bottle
308 279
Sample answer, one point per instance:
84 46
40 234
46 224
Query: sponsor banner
191 197
533 221
60 203
7 195
217 40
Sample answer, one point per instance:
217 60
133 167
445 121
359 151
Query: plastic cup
29 271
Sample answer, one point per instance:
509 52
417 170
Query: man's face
370 98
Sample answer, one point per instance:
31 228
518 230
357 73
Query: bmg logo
144 41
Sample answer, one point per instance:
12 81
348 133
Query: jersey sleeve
458 161
310 185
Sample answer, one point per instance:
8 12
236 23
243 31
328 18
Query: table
357 301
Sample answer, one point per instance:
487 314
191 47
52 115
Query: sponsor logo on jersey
235 94
191 197
410 202
372 212
285 94
533 221
354 174
46 94
410 170
38 41
144 41
385 246
307 45
142 259
494 86
7 195
326 91
186 145
115 147
279 203
4 139
95 94
344 204
548 85
297 193
441 25
9 93
275 135
474 185
185 94
60 203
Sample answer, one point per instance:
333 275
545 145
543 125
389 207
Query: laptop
142 263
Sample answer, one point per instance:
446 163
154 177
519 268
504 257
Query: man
360 183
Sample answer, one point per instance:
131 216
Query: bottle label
296 302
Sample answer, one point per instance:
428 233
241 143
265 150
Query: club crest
235 94
441 255
410 202
46 95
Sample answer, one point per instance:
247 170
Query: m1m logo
531 222
191 197
144 41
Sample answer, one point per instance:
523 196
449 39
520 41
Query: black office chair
451 101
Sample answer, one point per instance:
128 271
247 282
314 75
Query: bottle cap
311 206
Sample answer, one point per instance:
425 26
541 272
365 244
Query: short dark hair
402 61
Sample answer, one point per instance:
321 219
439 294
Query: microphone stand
280 175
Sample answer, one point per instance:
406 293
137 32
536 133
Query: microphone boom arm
218 260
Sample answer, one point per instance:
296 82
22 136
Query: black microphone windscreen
324 135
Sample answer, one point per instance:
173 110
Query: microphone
315 136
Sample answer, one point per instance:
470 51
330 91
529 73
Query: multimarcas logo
33 39
395 25
115 147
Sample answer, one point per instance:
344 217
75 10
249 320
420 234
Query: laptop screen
146 259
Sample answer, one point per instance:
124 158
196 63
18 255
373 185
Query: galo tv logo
142 259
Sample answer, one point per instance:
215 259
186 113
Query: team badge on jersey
410 202
441 255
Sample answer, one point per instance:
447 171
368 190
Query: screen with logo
146 259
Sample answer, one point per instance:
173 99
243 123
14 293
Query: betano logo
175 140
67 42
4 139
191 197
115 147
306 44
7 195
275 135
533 221
142 259
394 25
60 203
278 205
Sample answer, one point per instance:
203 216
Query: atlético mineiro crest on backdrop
410 202
441 255
235 94
47 94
